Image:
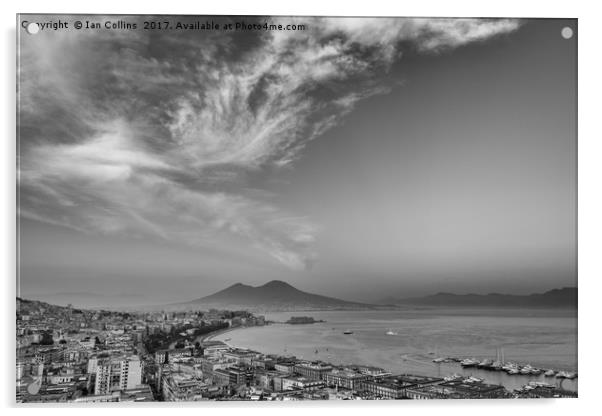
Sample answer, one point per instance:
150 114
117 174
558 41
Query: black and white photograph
295 208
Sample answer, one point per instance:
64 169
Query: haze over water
542 338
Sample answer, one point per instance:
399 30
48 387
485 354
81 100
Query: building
181 387
285 367
313 370
461 388
232 376
179 354
161 357
386 387
142 393
240 356
345 378
300 382
213 348
117 373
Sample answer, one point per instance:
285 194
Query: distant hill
272 296
556 298
90 299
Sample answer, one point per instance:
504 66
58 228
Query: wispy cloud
150 135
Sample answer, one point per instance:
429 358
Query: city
66 354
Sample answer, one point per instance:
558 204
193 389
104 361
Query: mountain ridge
565 297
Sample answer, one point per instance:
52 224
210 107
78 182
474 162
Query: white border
590 188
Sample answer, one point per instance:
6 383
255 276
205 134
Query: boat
486 363
473 379
227 339
389 332
440 360
566 374
496 365
469 362
550 373
511 368
348 332
526 370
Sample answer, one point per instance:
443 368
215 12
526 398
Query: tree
46 339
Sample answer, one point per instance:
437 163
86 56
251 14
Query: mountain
555 298
273 296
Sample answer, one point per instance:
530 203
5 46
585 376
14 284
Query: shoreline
415 365
211 335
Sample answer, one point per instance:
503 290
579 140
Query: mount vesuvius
272 296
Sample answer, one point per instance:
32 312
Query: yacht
511 368
440 360
550 373
469 362
348 332
496 365
473 379
486 363
389 332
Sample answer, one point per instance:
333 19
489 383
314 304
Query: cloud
155 136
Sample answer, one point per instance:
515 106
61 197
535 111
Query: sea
544 338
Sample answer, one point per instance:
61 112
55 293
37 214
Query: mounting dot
32 28
567 32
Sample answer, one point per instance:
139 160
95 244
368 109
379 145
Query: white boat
389 332
497 365
486 363
469 362
439 360
473 379
550 373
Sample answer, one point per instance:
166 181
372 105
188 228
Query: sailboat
499 360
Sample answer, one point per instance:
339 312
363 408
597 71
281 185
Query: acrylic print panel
295 208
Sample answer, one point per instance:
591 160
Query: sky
359 158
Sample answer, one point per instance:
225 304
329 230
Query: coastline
399 354
211 335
